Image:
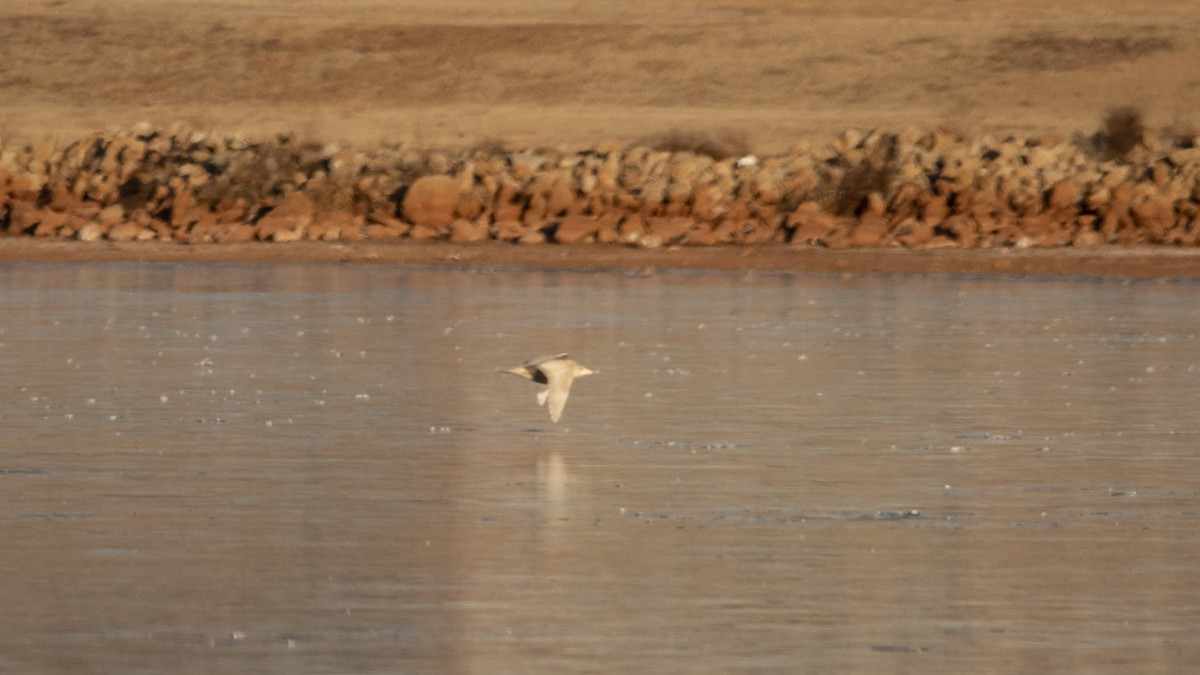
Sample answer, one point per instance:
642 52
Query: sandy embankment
1124 187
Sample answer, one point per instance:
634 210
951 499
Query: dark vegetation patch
1055 51
1122 130
719 146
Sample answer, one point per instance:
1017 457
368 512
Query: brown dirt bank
533 72
1109 262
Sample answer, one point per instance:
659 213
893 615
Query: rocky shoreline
1120 187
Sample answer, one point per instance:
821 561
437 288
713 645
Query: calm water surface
319 469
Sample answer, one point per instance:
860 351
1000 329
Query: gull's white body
557 373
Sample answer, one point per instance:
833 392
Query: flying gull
556 372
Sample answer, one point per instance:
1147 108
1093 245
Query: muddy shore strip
1107 262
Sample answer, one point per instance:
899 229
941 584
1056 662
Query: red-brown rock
632 229
607 228
508 206
471 205
61 197
331 225
379 226
508 230
535 212
756 231
934 209
707 202
1065 195
912 233
702 234
232 211
111 216
1154 217
1042 230
561 198
464 231
810 224
576 229
904 203
669 230
378 231
206 230
236 234
92 231
726 231
533 236
871 230
1185 233
23 217
124 231
184 210
24 187
161 229
288 220
431 201
428 232
51 222
962 229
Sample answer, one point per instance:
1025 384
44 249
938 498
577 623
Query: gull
556 372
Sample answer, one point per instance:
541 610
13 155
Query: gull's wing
532 369
539 369
556 397
533 363
559 374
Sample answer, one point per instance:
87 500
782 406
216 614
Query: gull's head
580 371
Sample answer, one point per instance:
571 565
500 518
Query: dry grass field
572 72
759 75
